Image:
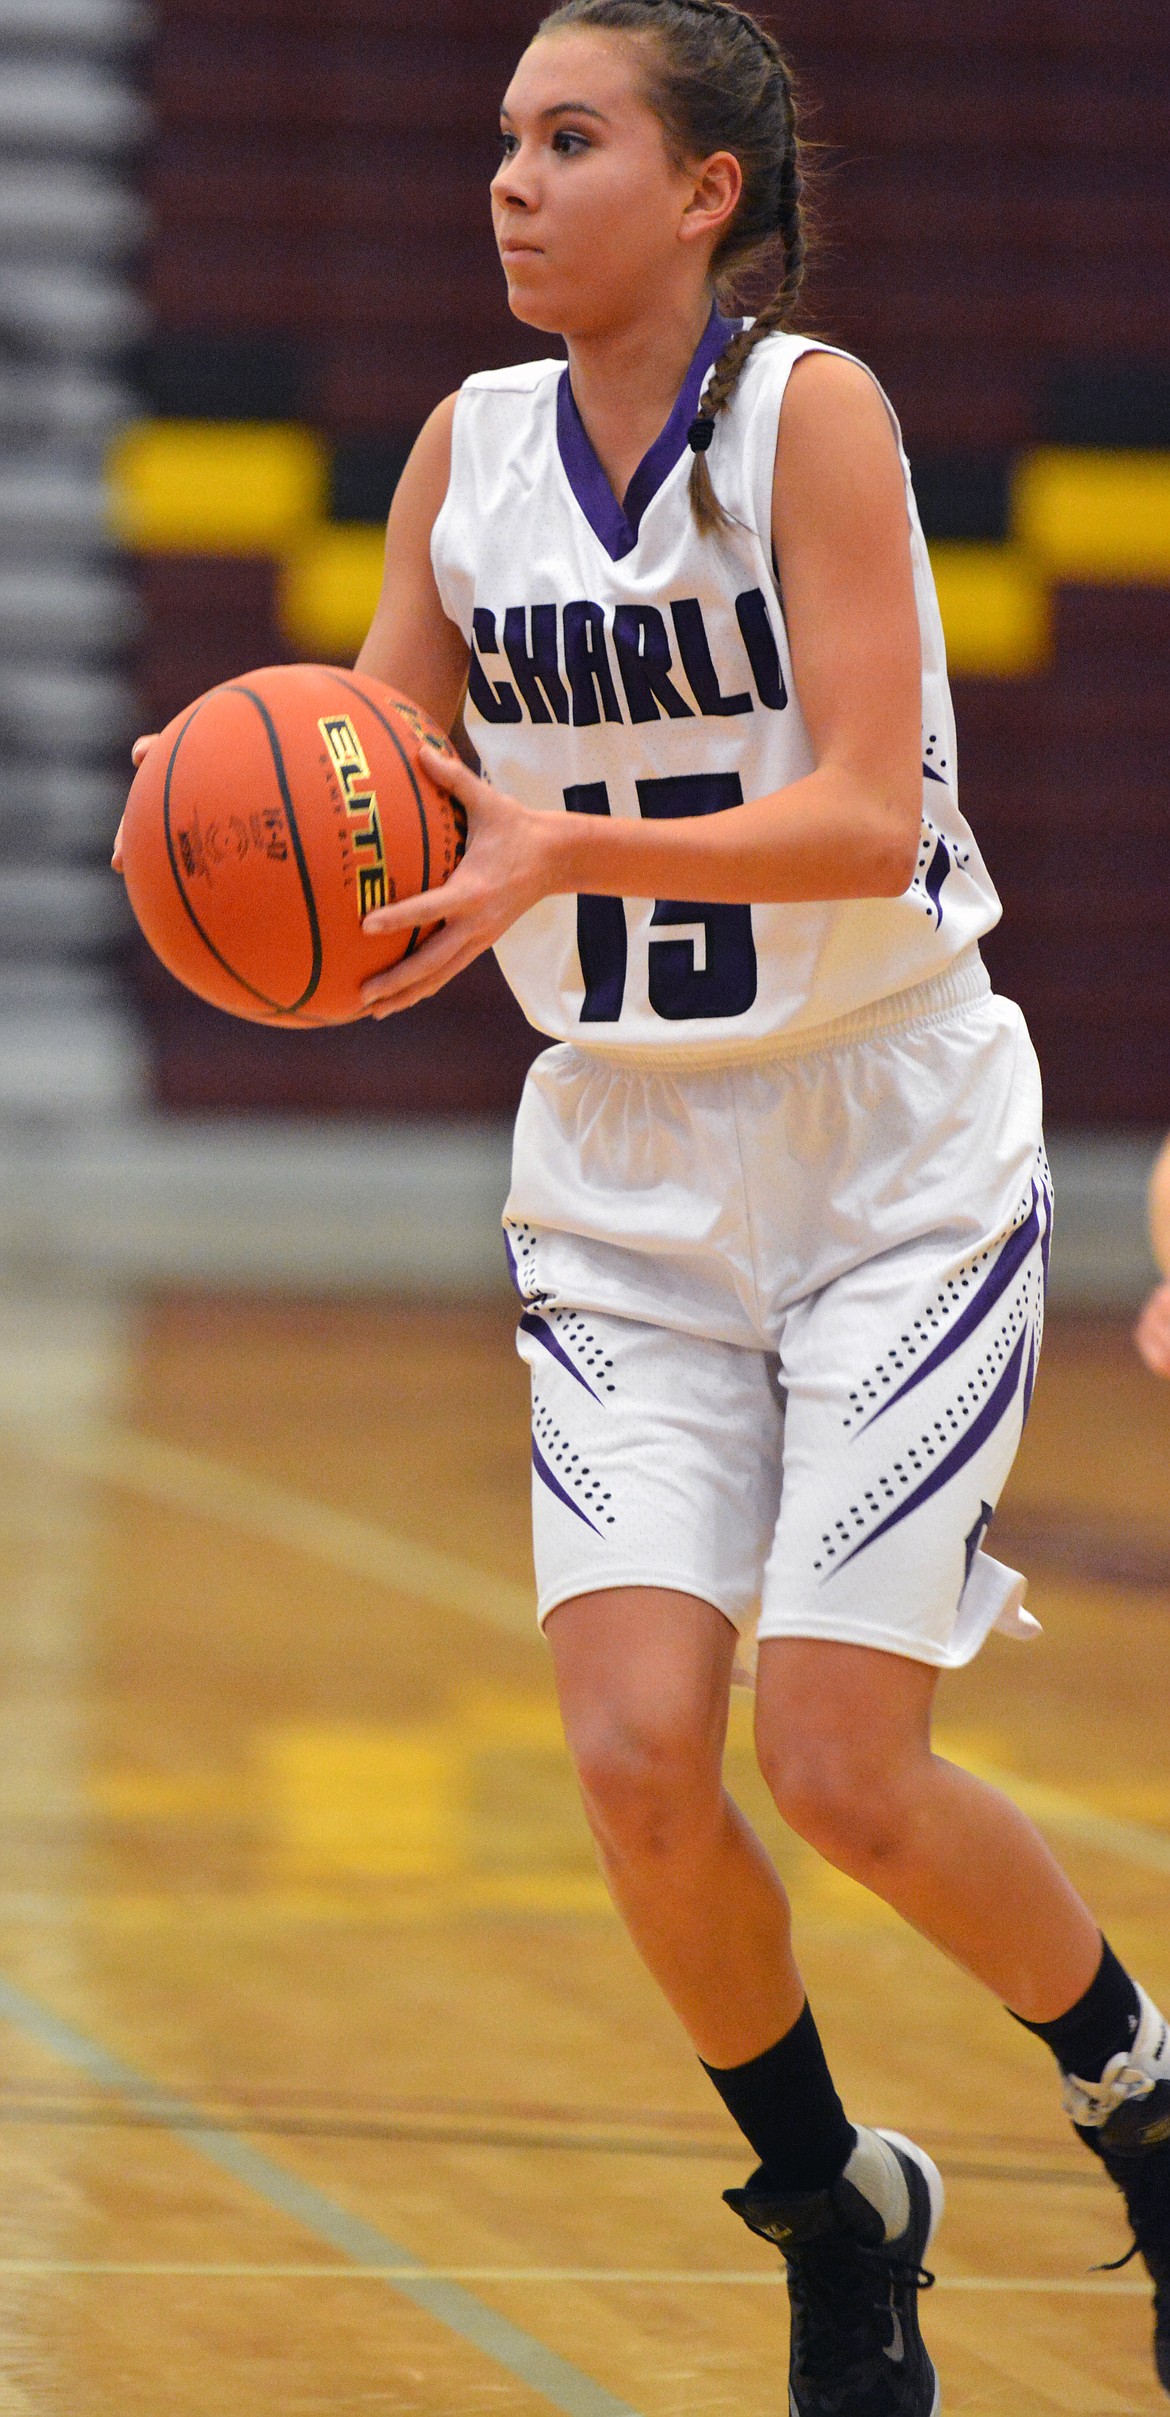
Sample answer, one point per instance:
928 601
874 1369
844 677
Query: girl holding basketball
780 1212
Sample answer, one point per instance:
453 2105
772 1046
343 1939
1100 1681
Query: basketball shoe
856 2348
1125 2119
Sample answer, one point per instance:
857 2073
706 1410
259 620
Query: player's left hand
504 871
1153 1332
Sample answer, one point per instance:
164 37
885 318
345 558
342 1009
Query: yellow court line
194 1484
652 2277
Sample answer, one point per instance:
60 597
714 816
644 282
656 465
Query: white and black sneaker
856 2347
1125 2119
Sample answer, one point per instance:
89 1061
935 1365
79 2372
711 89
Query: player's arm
412 645
851 827
1153 1333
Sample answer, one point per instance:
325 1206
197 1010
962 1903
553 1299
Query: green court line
529 2360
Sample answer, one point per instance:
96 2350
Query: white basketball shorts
783 1321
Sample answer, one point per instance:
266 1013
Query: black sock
786 2106
1101 2024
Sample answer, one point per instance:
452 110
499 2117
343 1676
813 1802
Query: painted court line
185 1481
1128 1841
208 1489
564 2386
651 2277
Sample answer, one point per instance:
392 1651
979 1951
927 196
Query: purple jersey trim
618 526
546 1477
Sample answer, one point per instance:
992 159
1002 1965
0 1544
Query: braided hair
717 82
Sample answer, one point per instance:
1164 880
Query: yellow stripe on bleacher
996 609
1095 518
330 585
206 487
211 487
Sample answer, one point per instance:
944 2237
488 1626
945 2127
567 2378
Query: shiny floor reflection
290 1837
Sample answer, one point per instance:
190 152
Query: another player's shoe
1125 2119
856 2347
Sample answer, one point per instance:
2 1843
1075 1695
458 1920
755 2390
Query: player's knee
645 1789
854 1808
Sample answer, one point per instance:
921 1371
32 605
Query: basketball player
1153 1334
780 1213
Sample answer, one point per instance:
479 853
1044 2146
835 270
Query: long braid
717 81
774 315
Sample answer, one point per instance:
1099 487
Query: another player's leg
844 1741
643 1677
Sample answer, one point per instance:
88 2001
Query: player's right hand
137 756
1153 1332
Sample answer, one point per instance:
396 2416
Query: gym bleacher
993 237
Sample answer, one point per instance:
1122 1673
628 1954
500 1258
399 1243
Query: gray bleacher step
92 615
49 910
62 106
64 715
100 25
72 312
68 810
50 208
52 503
59 404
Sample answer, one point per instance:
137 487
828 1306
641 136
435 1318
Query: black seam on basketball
408 768
278 1009
236 688
176 876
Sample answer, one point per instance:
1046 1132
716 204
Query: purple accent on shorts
975 1539
1046 1236
618 526
994 1285
513 1270
929 773
531 1323
554 1485
1030 1379
994 1409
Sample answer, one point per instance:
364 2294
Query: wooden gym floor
327 2080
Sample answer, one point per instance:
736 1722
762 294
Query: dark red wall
995 232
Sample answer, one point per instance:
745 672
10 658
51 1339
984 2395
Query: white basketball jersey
623 663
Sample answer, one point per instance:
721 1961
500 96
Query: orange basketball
267 821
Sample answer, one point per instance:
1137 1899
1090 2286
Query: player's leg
843 1735
643 1679
906 1393
657 1459
844 1740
